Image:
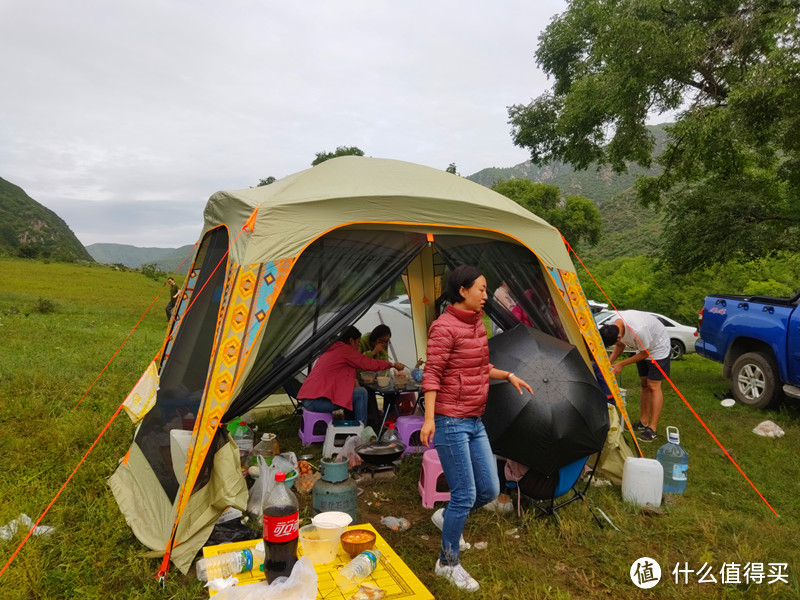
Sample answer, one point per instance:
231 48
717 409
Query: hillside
628 228
164 259
30 230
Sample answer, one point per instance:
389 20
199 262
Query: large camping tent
279 270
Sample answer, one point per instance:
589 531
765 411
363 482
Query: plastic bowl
367 376
356 541
384 380
320 542
342 519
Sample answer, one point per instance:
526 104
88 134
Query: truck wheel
754 380
676 350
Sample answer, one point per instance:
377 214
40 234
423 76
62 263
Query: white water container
642 481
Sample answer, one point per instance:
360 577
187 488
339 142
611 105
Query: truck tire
676 350
754 380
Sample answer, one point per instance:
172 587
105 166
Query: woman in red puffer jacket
456 386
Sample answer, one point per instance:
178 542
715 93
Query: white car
401 303
681 337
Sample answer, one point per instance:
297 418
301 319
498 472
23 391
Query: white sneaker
458 576
499 507
438 520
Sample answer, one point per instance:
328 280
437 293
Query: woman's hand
399 366
519 384
427 431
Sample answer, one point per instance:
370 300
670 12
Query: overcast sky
124 116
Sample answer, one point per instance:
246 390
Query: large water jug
675 461
642 481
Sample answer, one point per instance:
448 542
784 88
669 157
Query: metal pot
380 453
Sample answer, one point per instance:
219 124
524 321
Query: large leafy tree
321 157
727 72
576 217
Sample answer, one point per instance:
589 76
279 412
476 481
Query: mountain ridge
30 230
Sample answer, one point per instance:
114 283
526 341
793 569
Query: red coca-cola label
281 529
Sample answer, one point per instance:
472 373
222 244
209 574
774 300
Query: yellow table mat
391 574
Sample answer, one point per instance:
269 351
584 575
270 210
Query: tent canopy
279 271
294 211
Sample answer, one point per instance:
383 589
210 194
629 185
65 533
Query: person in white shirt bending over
645 334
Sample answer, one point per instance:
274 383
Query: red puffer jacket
458 363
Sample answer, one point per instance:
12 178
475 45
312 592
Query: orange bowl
356 541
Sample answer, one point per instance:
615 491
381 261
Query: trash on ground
597 482
369 591
9 530
768 429
728 402
511 532
480 545
221 583
395 523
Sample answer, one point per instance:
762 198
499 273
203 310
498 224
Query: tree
340 151
451 168
266 181
729 70
576 217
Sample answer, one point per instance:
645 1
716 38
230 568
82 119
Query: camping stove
367 473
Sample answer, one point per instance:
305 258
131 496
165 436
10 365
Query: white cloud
141 110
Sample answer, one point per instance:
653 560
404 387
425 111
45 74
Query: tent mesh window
184 374
333 283
519 268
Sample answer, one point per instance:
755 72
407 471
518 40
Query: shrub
44 306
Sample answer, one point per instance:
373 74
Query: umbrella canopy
566 418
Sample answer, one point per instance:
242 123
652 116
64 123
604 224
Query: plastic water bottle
243 436
675 461
353 573
230 563
266 448
390 435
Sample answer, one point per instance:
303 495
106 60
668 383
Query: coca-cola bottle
281 525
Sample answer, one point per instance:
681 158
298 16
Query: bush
44 306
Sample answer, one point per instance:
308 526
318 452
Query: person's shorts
647 369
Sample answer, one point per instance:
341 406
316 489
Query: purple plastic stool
407 427
310 422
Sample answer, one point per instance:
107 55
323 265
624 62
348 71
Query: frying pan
380 453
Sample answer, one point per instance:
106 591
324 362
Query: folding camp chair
544 491
292 388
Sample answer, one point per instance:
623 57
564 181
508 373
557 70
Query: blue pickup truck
757 340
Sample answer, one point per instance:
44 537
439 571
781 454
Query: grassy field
59 326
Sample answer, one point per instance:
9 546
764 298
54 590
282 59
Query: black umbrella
566 418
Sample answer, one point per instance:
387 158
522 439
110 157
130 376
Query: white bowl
342 519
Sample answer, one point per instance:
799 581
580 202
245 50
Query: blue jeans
471 472
359 411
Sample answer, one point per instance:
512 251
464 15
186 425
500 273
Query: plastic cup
320 542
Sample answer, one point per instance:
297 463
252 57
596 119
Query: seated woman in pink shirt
331 384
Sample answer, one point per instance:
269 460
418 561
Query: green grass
49 358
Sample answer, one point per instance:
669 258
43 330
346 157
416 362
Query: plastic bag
768 429
260 489
348 451
285 462
300 585
396 523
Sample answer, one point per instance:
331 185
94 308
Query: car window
664 321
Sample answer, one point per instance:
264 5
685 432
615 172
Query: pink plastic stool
310 429
430 475
408 429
